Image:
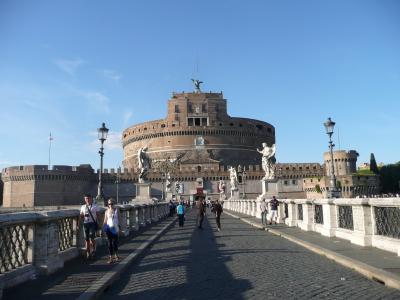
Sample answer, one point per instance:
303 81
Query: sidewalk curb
98 287
376 274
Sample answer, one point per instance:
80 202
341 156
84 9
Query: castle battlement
42 172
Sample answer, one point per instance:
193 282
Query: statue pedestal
143 192
168 196
235 195
269 188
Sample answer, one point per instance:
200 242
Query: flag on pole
51 138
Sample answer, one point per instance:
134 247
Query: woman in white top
111 228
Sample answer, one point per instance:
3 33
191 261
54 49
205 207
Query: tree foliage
390 178
372 164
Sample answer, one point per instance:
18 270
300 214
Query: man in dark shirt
217 209
201 210
274 210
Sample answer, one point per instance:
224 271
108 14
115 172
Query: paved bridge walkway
240 262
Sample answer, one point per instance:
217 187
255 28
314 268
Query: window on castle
204 121
269 129
259 127
197 122
204 107
190 121
190 108
176 108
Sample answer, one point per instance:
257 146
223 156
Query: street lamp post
163 186
333 190
102 135
117 183
244 182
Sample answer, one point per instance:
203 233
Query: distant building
350 183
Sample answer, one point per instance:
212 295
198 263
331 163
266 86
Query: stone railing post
308 216
281 212
124 220
258 209
253 207
291 220
147 214
154 214
135 217
330 220
362 222
141 218
46 259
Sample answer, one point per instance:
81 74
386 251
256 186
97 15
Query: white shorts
273 215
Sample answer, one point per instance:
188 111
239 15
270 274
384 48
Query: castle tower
344 162
198 126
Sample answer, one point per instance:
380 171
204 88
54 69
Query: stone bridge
330 249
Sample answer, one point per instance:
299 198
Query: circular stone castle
198 131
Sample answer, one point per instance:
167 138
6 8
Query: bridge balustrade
363 221
40 242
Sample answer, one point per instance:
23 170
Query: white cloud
97 99
69 66
113 141
126 117
111 74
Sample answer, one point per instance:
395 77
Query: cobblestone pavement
240 262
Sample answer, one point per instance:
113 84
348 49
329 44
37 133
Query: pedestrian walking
201 210
264 212
111 228
89 214
217 209
171 208
274 210
180 211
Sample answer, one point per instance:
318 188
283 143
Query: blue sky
68 66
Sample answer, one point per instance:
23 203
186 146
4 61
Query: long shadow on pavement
190 267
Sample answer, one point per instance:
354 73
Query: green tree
372 164
390 178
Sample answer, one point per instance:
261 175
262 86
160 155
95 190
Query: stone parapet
40 242
363 221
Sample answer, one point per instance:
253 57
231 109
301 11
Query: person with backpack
180 211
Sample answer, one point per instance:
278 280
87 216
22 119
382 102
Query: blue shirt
180 210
